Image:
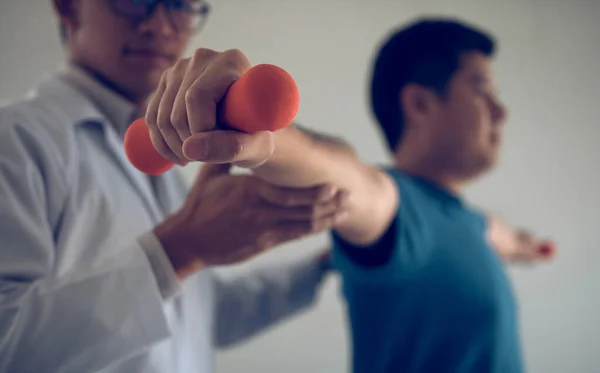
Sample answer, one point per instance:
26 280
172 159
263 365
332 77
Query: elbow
379 199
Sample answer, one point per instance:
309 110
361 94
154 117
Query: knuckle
196 94
235 55
164 78
236 60
193 95
150 120
326 192
163 123
179 119
202 54
159 145
170 74
315 212
232 75
180 66
264 241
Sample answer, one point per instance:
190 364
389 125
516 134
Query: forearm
73 322
304 158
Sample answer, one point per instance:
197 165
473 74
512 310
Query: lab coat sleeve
165 275
84 318
250 303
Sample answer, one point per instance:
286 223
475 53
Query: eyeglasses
185 15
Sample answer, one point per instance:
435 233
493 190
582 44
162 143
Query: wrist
184 260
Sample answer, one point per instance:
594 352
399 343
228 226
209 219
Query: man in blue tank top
422 274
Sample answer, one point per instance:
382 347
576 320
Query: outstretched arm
517 245
303 157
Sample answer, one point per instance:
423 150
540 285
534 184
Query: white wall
548 180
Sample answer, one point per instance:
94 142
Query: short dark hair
426 52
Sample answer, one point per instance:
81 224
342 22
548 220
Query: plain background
548 73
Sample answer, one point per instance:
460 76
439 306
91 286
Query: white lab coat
77 291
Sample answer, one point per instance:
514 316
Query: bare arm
517 245
304 158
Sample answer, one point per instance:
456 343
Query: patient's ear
66 10
418 103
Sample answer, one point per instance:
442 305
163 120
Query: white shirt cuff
166 278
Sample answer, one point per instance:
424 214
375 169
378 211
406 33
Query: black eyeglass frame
199 9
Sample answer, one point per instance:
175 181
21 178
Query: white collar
119 111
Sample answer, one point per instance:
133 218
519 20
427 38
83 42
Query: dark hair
426 52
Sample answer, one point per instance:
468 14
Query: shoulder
38 136
481 219
406 184
402 248
28 133
40 127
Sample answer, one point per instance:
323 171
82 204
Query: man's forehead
476 63
476 68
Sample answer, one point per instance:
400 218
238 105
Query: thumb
226 146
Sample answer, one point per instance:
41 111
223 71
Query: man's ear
66 12
417 102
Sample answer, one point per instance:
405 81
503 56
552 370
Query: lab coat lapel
139 180
81 112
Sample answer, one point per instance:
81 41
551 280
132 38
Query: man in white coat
104 269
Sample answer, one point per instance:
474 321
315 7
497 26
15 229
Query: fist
182 114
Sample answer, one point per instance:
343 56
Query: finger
289 231
226 146
546 249
151 121
195 67
209 88
525 237
165 109
335 206
290 197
